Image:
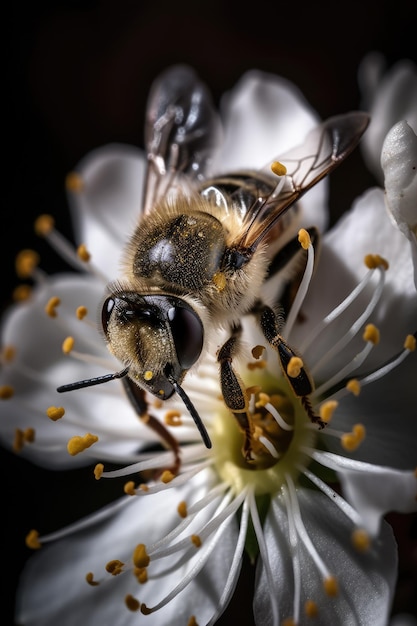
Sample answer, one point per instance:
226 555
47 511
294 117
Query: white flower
172 547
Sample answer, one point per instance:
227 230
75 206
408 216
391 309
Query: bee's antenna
90 382
191 409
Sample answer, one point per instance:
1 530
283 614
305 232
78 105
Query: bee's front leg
233 389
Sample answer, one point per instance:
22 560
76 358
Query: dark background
76 76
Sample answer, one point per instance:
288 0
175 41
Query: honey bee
204 248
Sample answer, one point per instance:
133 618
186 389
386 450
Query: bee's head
157 337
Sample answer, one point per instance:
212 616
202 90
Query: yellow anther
140 556
44 224
68 345
52 305
90 579
78 444
196 540
141 574
278 168
361 540
81 312
182 509
173 418
372 261
55 412
18 440
371 333
253 390
26 261
311 609
219 280
327 409
98 471
410 343
74 182
114 567
263 399
350 442
131 603
143 487
192 621
359 431
331 586
144 609
29 435
304 238
32 540
83 253
9 353
258 351
129 488
148 375
167 476
6 392
257 365
354 386
294 367
22 293
289 621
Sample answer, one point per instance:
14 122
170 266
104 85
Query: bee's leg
291 364
136 396
233 389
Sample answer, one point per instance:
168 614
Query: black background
76 76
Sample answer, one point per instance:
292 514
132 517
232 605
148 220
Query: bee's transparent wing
181 133
324 148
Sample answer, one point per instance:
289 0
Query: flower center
281 432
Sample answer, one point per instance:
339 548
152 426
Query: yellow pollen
18 440
192 621
350 442
68 345
372 261
22 293
131 603
6 392
148 375
410 343
98 471
182 509
371 333
9 353
55 413
219 280
141 574
278 168
361 540
167 476
52 305
294 367
327 409
129 488
144 609
81 312
114 567
140 556
257 365
44 224
173 418
331 586
304 238
359 431
258 351
311 609
354 386
74 182
26 261
83 253
263 399
78 444
196 540
90 579
32 540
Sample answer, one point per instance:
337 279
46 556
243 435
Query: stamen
98 471
8 354
22 293
327 409
304 239
269 446
129 488
295 555
67 345
196 540
55 413
140 556
78 444
182 509
371 333
81 312
277 417
52 305
83 253
32 540
90 579
74 183
278 168
361 540
26 264
354 386
409 346
6 392
311 609
114 567
131 603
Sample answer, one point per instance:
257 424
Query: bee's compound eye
188 333
106 312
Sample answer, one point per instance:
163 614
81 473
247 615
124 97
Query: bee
203 249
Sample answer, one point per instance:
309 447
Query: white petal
373 490
366 581
53 587
264 116
106 210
